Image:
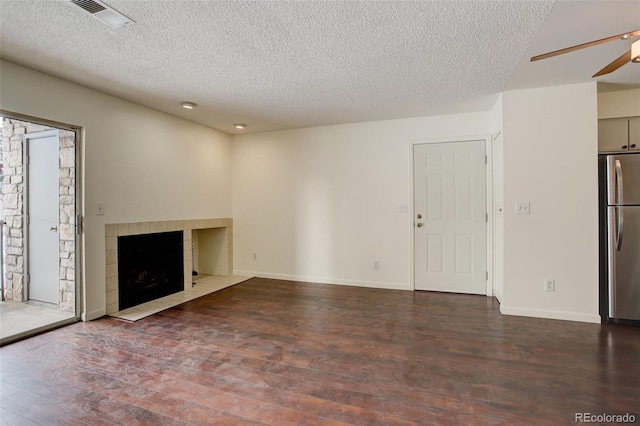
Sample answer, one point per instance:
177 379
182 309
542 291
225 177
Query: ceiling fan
633 55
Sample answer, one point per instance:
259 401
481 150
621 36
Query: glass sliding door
38 208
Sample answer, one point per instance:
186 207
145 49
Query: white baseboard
324 280
90 316
557 315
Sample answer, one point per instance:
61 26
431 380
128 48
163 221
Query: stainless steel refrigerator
620 237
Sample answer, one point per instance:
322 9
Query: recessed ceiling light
240 126
188 105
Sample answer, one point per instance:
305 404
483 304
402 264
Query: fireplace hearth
150 266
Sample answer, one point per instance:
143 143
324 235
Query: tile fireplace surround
213 239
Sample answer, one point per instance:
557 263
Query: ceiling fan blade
629 35
626 57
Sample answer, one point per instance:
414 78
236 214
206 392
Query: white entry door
43 216
450 217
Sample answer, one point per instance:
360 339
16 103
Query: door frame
79 201
498 244
26 147
488 150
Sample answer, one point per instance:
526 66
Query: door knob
420 224
419 216
53 228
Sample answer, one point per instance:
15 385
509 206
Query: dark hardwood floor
276 352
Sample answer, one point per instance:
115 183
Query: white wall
143 164
321 204
550 159
497 113
622 103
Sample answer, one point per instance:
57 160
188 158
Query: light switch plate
99 209
523 207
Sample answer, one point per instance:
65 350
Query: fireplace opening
150 266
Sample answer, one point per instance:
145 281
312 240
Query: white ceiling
290 64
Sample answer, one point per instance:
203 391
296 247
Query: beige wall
143 164
622 103
550 159
321 204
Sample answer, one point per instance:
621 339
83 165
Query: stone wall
67 228
13 132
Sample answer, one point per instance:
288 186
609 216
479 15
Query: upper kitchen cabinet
634 134
619 134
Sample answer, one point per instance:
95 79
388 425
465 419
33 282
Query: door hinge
79 224
487 217
486 160
28 278
28 218
487 276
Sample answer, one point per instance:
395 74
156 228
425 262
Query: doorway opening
39 226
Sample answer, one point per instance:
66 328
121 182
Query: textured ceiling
280 65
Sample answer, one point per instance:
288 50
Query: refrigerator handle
619 201
612 242
619 189
619 227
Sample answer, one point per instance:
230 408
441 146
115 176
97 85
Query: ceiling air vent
103 12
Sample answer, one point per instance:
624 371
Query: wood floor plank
276 352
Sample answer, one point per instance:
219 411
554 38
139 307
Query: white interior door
42 197
450 217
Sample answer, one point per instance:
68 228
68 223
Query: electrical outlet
376 264
99 209
549 285
404 208
255 257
